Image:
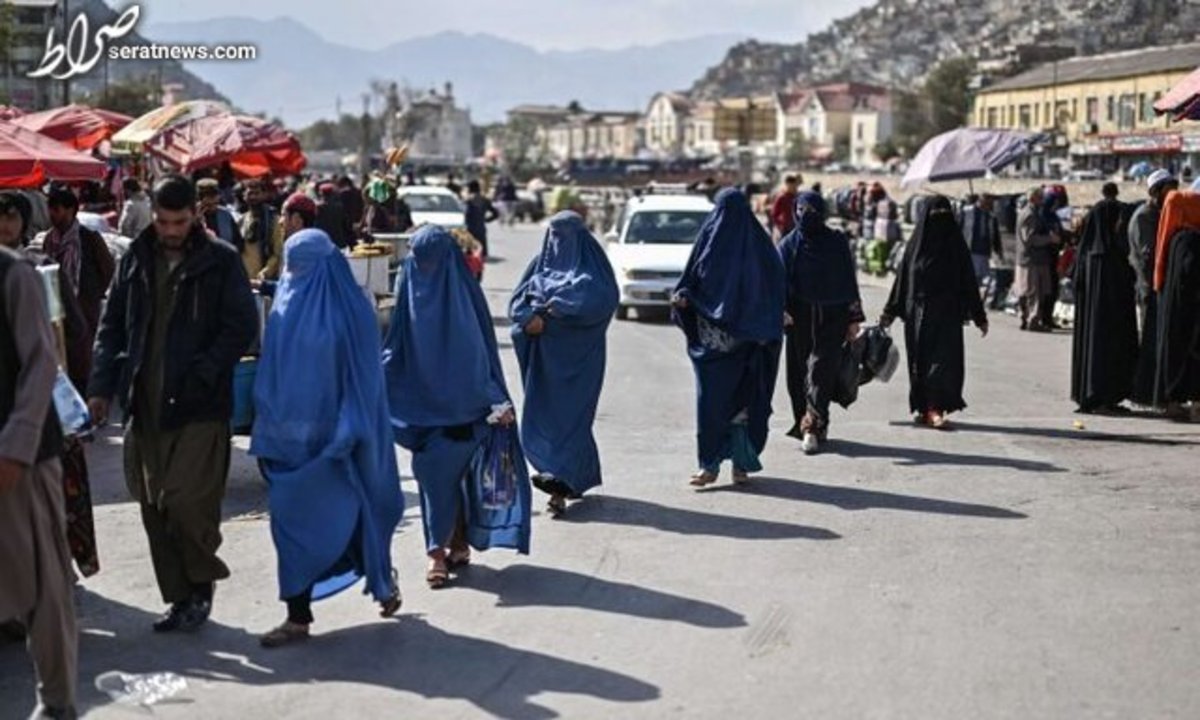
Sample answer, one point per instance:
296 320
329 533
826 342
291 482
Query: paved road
1017 568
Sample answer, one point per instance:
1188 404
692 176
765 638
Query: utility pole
364 147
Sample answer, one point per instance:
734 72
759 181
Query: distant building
666 124
870 126
824 117
435 127
30 21
1099 109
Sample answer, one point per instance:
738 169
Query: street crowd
161 332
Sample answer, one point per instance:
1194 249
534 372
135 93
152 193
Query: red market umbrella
1182 100
79 126
252 146
29 160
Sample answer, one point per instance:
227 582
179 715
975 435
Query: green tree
948 92
799 149
343 134
886 150
520 146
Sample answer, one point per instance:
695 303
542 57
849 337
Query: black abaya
1104 358
1179 337
934 293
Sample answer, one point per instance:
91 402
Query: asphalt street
1023 566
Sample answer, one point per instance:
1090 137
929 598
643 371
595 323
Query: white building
434 127
666 124
869 127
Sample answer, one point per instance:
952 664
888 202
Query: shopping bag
498 495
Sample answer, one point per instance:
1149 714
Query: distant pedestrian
447 394
1143 237
981 231
1104 357
135 213
352 202
783 208
332 218
334 488
217 219
824 311
262 238
560 312
934 293
506 199
730 306
478 212
1177 282
178 319
1035 244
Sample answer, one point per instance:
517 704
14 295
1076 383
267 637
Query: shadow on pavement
407 655
531 586
606 509
916 457
848 498
1086 435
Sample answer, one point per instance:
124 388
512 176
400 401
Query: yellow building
1102 106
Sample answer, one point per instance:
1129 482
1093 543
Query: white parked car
649 246
432 205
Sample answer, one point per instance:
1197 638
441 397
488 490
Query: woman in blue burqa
321 436
560 312
446 389
823 312
730 304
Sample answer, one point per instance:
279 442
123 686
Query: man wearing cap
216 218
299 213
1143 235
261 233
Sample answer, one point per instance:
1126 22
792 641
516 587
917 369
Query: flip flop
703 479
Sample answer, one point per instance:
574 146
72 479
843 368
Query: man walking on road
479 212
1035 248
178 319
981 230
783 209
36 585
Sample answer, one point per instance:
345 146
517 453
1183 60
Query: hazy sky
544 24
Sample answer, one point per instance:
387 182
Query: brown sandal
437 575
458 558
703 478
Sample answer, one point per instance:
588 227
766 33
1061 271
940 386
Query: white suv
649 246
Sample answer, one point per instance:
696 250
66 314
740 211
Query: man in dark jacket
352 202
478 212
178 319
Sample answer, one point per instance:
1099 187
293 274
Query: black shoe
173 618
195 615
49 713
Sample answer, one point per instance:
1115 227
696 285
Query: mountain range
300 77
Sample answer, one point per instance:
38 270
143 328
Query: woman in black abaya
1104 359
934 294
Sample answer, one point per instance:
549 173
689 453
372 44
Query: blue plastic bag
498 495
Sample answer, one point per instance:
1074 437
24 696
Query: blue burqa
321 432
572 287
444 379
734 288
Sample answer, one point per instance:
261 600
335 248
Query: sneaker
810 444
172 620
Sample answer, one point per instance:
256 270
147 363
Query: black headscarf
936 263
936 245
817 258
